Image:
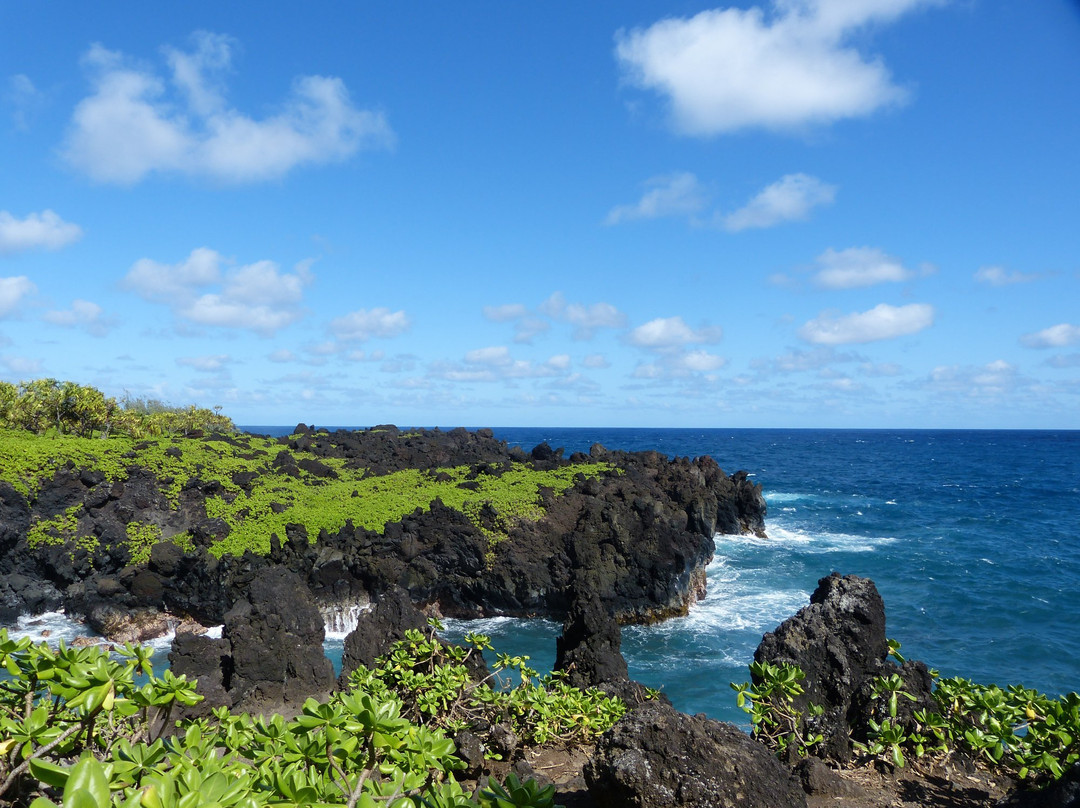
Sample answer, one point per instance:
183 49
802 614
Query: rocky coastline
627 542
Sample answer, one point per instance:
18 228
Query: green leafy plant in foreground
775 719
75 726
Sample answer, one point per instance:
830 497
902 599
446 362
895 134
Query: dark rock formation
657 757
589 648
270 658
839 642
376 630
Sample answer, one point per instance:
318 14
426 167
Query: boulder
839 643
276 635
657 757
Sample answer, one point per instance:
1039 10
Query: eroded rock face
270 657
657 757
276 633
589 649
839 642
376 630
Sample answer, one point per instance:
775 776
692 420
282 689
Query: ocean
971 537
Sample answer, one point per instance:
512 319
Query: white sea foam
813 542
339 620
49 626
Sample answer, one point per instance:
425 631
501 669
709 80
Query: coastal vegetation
76 725
44 406
261 485
1019 730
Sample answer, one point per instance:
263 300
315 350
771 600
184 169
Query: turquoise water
973 538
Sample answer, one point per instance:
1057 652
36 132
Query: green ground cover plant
277 493
1028 734
76 727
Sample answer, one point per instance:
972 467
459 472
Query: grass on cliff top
275 499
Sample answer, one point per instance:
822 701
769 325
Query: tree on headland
45 406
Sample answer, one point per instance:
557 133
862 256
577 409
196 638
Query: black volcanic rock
589 648
377 629
276 636
839 642
656 757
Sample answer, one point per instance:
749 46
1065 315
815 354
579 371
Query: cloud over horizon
257 297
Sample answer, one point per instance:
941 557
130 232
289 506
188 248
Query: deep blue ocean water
973 539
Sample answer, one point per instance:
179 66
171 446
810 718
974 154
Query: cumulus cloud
83 315
596 362
586 319
364 324
135 123
1056 336
993 378
26 101
12 291
671 333
258 297
879 323
791 198
998 276
496 363
858 267
44 230
728 69
670 195
20 365
505 313
205 364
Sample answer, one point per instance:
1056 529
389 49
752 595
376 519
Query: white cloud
282 355
83 314
596 361
20 365
133 125
496 363
729 69
1056 336
670 195
496 356
992 379
12 291
585 319
205 364
791 198
505 313
364 324
43 230
666 333
998 276
26 101
165 283
700 361
258 297
879 323
858 267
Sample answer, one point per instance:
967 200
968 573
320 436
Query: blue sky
803 213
